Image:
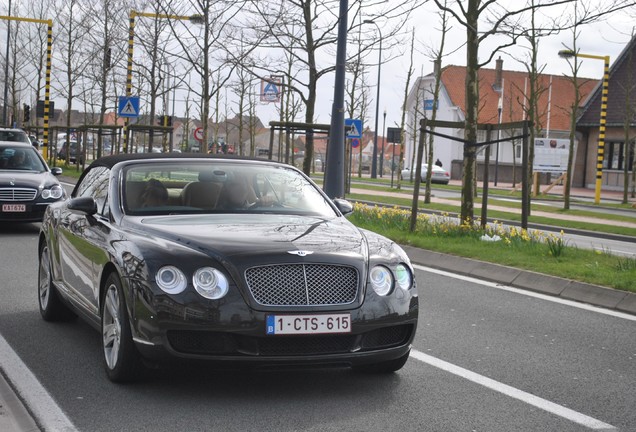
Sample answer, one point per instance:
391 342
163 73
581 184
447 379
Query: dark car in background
27 185
225 260
75 153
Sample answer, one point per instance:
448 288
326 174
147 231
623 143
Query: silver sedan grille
303 284
17 194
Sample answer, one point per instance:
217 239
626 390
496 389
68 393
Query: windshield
14 135
180 187
20 158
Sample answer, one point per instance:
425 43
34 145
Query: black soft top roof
110 161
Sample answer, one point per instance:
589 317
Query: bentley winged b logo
300 253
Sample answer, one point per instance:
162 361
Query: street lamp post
374 162
334 170
383 143
600 155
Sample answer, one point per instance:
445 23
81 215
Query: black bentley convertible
220 259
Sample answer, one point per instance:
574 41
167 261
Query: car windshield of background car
14 136
20 158
288 191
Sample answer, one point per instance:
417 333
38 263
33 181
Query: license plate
308 324
13 208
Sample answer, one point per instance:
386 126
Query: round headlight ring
46 193
57 192
381 280
210 283
403 277
171 280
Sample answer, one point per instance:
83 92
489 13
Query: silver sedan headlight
55 192
171 280
210 283
381 280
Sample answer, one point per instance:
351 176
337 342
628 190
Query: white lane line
512 392
528 293
47 413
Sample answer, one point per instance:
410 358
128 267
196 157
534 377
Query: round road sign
355 142
198 134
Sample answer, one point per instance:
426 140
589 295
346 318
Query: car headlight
210 283
55 192
403 277
381 280
171 280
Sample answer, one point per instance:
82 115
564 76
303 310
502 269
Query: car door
83 241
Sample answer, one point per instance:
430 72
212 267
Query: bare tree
70 54
438 56
309 26
357 93
500 22
105 20
207 47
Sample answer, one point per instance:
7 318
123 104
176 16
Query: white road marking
512 392
47 413
546 297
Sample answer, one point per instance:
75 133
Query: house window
615 152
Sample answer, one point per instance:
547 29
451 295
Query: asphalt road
484 359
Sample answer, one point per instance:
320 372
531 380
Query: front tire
121 359
51 307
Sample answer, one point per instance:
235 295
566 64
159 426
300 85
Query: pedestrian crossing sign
128 106
353 128
270 90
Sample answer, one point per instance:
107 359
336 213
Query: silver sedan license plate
308 324
13 208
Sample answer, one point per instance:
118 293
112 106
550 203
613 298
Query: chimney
497 85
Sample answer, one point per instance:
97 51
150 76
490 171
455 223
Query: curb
596 295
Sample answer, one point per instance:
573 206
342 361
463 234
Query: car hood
260 235
30 179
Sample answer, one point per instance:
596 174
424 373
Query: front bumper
382 329
34 212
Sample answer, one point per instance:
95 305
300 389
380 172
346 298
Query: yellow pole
47 90
129 66
600 156
47 85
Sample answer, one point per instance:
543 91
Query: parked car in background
225 260
27 185
74 153
439 175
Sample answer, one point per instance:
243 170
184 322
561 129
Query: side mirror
56 171
86 205
343 205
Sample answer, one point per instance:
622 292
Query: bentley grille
17 194
303 284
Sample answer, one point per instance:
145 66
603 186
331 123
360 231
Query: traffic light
169 121
26 113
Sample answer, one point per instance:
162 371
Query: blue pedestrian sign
353 128
128 106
